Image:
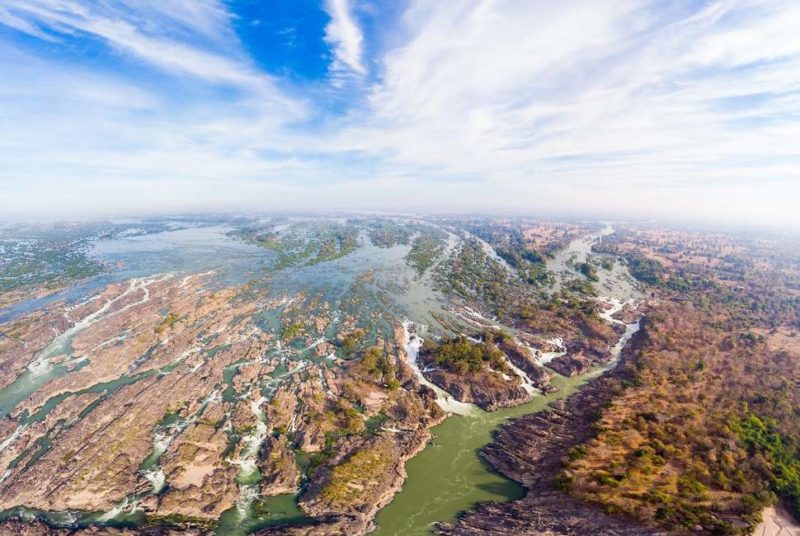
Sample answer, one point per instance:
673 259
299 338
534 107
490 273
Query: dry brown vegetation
706 434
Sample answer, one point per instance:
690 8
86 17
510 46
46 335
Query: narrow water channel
450 476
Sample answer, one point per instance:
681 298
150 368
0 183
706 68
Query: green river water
450 477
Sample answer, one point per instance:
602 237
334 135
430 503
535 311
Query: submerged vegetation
589 271
302 244
44 258
511 245
425 249
388 233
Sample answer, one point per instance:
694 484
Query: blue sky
623 107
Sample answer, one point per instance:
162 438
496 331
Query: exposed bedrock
530 450
16 527
486 388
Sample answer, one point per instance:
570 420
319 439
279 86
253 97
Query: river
446 478
449 476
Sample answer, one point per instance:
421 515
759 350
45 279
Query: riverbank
530 450
305 388
777 522
451 477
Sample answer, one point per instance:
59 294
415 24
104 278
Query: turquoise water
373 284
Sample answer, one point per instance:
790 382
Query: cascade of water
412 344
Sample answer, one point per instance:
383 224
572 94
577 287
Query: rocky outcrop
325 526
142 351
36 528
572 364
344 495
279 471
585 353
523 359
531 450
548 513
415 408
23 338
201 484
486 388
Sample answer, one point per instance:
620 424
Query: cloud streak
629 107
161 34
345 38
661 106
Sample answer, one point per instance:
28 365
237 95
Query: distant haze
679 109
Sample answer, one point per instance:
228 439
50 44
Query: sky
617 108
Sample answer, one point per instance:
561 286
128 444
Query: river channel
450 476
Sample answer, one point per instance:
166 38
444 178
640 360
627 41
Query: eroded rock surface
25 528
486 388
530 450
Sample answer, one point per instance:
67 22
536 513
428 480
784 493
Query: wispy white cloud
635 106
345 37
551 104
78 138
162 34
